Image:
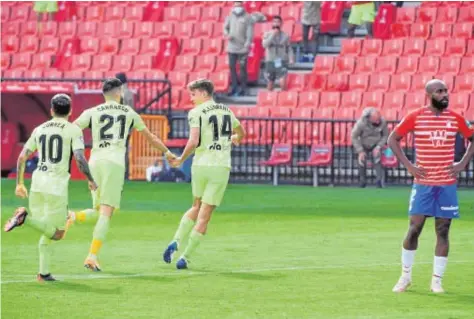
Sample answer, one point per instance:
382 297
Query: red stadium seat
85 29
212 14
459 102
435 47
259 112
134 13
408 64
20 13
359 82
456 47
280 112
191 46
34 74
144 29
221 81
323 64
154 11
323 113
373 99
337 82
464 83
415 100
270 10
10 28
74 75
81 62
114 13
414 47
296 82
191 13
95 14
447 15
29 28
129 47
448 79
400 30
394 100
142 63
172 14
419 81
351 100
400 83
267 99
253 6
216 29
406 15
14 74
345 65
466 14
441 30
393 47
21 61
178 79
387 64
288 99
206 30
330 99
302 113
390 114
89 45
372 47
291 12
420 30
69 29
309 99
463 30
5 14
164 29
168 50
150 46
212 46
379 83
316 82
10 44
102 62
184 63
345 113
240 111
470 48
184 30
6 59
116 29
351 47
222 63
467 65
122 63
192 76
205 63
449 65
365 65
281 155
426 15
429 64
29 44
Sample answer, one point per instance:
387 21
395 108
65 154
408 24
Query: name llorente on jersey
107 107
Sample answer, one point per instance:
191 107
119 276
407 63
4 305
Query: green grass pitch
271 252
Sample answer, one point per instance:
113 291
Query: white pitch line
193 273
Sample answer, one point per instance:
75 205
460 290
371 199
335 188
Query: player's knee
442 231
414 231
58 235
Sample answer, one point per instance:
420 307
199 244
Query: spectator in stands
311 20
153 172
361 12
127 93
45 7
238 30
278 54
369 135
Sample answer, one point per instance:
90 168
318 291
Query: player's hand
376 152
21 191
235 140
362 157
169 156
416 171
456 168
176 162
92 185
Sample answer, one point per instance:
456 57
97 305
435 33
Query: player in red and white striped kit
434 192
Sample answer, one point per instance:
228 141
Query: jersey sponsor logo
450 208
215 147
104 144
438 137
42 168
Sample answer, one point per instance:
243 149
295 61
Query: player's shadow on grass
64 285
250 276
135 276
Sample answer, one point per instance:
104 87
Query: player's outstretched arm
156 142
192 143
84 167
394 144
21 190
239 135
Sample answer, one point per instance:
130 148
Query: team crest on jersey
438 137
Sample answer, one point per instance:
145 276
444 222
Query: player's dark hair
278 18
61 104
122 77
202 85
111 84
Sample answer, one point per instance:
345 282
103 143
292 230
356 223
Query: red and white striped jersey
435 136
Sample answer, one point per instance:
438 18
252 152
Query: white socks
408 257
439 266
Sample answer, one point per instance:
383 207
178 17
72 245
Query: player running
55 141
211 134
110 123
434 192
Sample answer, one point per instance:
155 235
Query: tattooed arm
84 167
20 190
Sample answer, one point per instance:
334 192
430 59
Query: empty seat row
439 30
392 65
407 47
452 14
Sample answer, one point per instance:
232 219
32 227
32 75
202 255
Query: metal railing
262 134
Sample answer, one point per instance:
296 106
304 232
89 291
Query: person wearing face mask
278 53
369 135
238 30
